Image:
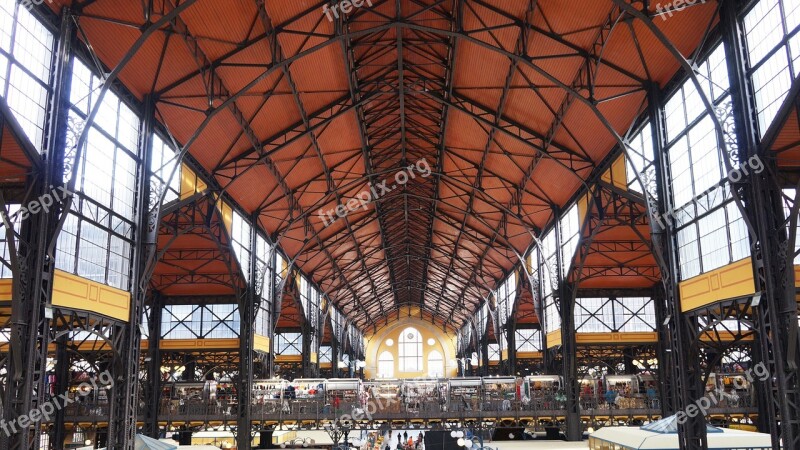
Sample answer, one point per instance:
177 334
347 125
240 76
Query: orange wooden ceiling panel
479 76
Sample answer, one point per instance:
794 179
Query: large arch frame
460 36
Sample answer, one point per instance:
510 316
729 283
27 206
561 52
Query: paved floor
561 445
322 438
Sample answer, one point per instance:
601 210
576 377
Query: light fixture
511 435
590 430
453 434
48 313
389 342
756 300
460 442
431 341
468 443
88 442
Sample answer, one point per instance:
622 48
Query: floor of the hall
321 438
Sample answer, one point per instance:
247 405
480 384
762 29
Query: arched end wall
442 342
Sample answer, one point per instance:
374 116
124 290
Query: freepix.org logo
377 191
46 411
42 203
343 7
677 5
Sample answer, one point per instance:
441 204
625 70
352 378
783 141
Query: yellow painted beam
529 355
797 276
74 292
724 336
288 358
554 338
732 281
261 343
615 338
190 182
5 289
616 174
195 344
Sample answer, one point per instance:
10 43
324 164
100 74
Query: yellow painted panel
529 355
74 292
602 338
504 354
324 365
583 206
288 358
261 343
731 281
796 276
5 289
227 214
194 344
312 358
723 336
554 338
190 182
616 175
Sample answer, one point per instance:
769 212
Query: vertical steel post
247 305
683 367
62 372
32 279
153 387
776 314
125 393
574 431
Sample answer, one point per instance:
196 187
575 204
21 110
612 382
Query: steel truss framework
401 88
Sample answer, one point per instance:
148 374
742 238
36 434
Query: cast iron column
684 365
29 329
776 315
247 305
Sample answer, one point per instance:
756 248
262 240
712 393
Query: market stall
499 393
465 394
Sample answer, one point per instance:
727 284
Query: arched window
435 364
410 350
385 365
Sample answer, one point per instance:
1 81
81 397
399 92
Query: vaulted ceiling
503 109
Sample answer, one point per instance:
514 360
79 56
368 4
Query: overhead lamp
756 300
460 442
431 341
389 342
